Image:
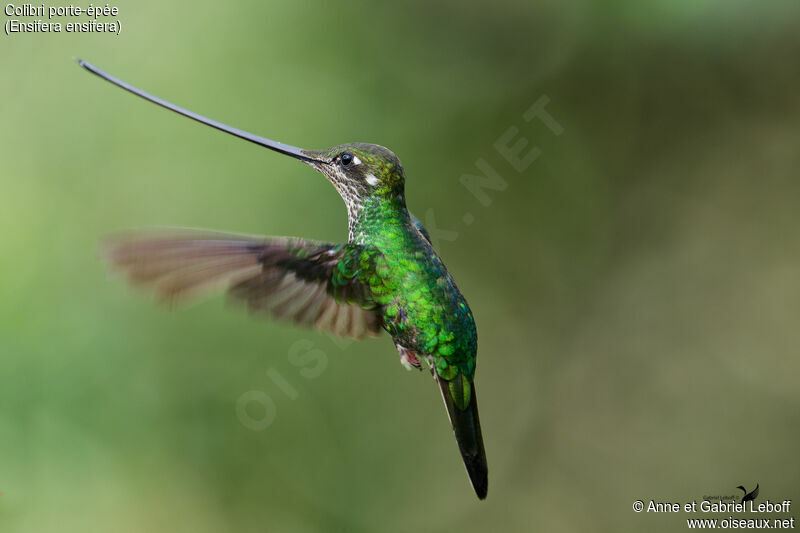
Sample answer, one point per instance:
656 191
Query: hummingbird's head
360 171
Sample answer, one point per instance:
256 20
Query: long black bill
257 139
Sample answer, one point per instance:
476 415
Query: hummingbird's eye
346 158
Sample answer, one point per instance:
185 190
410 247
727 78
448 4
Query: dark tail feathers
467 428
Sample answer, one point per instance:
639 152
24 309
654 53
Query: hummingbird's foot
408 358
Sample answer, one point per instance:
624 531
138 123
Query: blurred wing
309 283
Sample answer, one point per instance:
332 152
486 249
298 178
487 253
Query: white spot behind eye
372 180
356 160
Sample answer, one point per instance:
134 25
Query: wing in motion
307 282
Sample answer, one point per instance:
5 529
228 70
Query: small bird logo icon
748 496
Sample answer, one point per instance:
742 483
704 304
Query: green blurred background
636 288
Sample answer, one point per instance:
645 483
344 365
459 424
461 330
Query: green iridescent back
420 304
423 309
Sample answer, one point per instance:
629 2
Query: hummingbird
386 277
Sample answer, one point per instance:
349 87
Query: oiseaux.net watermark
257 409
719 514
